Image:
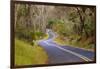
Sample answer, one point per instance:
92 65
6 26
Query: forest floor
26 54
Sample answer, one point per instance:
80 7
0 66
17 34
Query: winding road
64 54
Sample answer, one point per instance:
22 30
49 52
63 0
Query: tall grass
25 54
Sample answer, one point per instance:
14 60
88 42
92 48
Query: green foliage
55 24
25 27
73 16
52 22
74 25
22 11
89 26
37 35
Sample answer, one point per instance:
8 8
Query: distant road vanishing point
64 54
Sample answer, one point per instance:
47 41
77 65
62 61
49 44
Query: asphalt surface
64 54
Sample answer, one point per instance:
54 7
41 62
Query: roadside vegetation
83 44
75 26
78 30
26 54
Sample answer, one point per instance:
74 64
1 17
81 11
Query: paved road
64 54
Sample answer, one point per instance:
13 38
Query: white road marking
69 51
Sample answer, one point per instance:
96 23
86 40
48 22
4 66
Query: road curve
64 54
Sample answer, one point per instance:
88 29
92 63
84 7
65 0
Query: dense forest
75 26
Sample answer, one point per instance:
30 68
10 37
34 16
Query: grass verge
25 54
46 36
